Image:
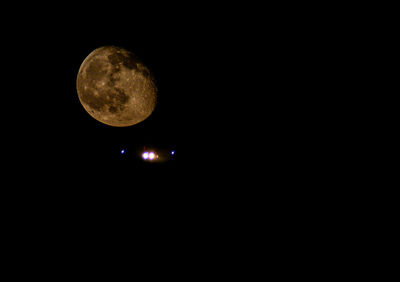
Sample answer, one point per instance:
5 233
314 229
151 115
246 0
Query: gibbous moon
115 87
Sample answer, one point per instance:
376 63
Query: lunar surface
115 87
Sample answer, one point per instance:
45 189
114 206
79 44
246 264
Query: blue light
122 151
172 152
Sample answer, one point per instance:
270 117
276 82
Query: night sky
193 58
223 90
216 96
246 99
60 131
61 163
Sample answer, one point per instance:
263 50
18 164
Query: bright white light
151 155
145 155
172 152
122 151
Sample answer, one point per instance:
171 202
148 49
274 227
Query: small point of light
145 155
122 151
172 152
151 155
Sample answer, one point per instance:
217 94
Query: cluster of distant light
149 156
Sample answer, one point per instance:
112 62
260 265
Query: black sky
228 80
215 67
51 50
249 99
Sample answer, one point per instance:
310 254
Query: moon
115 87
